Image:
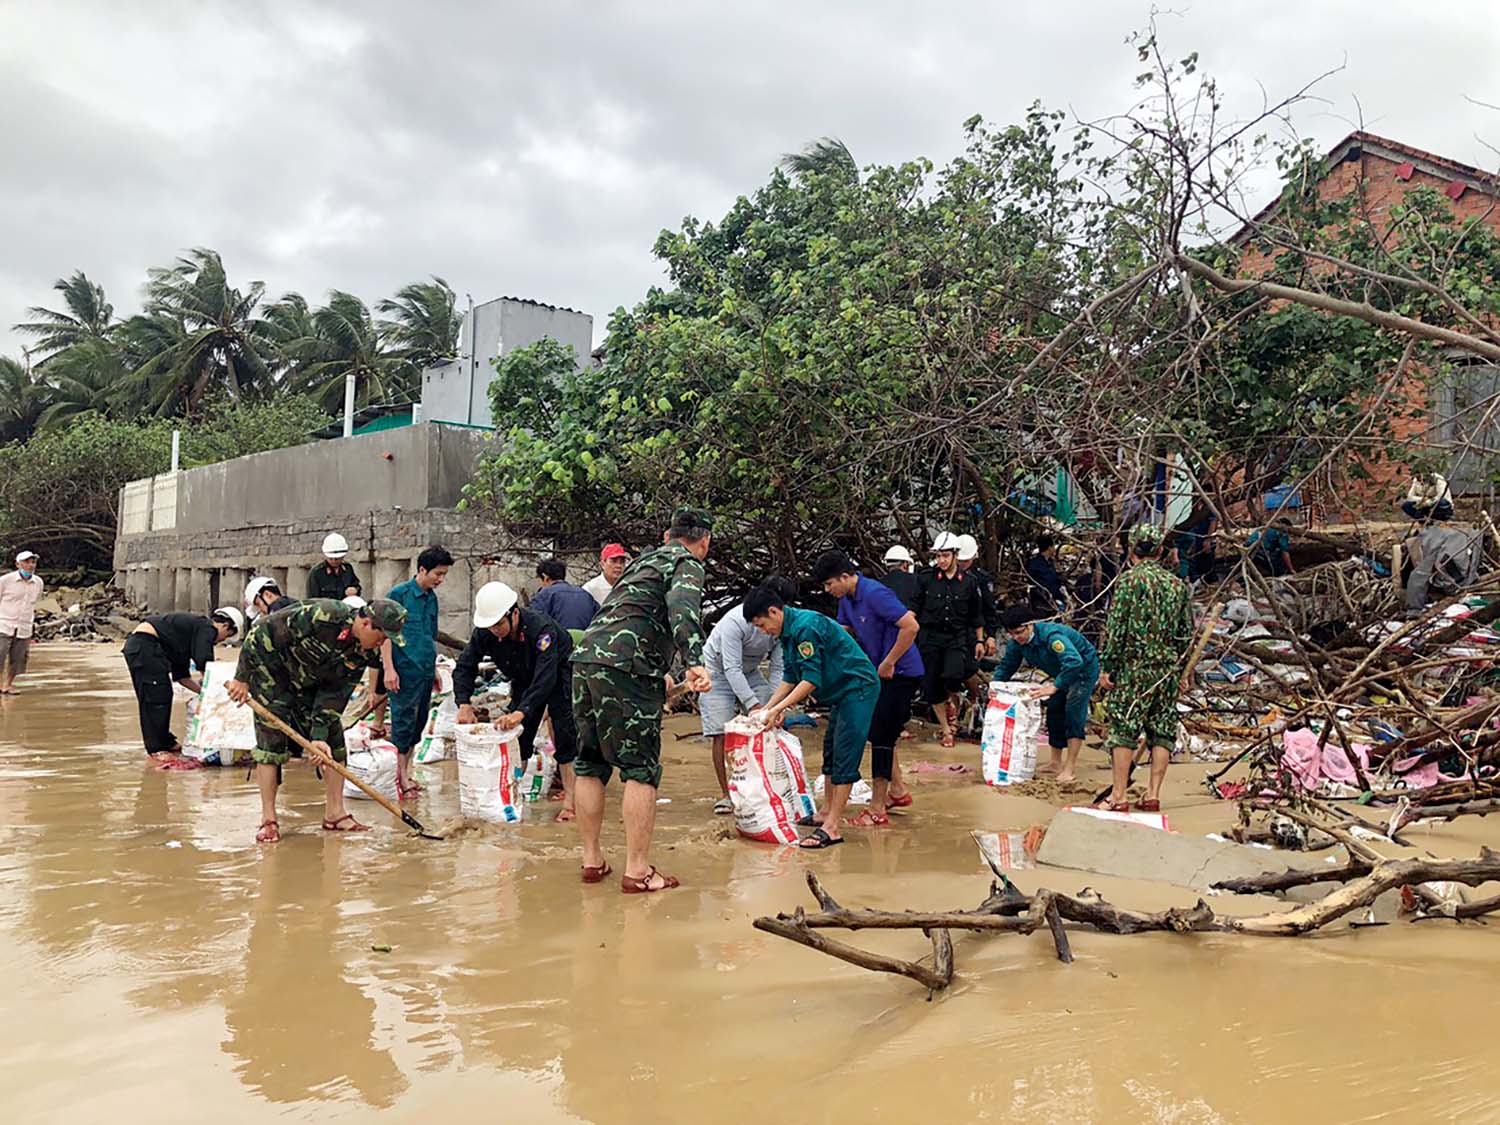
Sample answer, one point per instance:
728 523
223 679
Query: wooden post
1396 570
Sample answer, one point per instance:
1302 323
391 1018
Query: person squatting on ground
1067 656
532 652
1428 498
887 632
619 686
19 591
950 611
570 606
820 659
1146 638
409 670
333 577
733 657
301 664
162 649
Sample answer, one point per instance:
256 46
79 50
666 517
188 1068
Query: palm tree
346 339
22 399
88 317
220 347
828 156
425 321
81 380
284 325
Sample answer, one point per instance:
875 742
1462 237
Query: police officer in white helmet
333 577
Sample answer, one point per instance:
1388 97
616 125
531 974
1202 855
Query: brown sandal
868 819
270 833
1148 806
631 885
597 874
354 825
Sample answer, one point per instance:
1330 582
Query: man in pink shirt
19 591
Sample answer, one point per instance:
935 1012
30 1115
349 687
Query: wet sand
164 968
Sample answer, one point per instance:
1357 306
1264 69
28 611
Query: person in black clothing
333 577
898 578
968 561
531 651
162 649
1041 575
950 612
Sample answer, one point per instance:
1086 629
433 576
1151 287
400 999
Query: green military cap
1146 535
389 617
692 519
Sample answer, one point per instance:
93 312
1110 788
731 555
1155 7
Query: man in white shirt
612 560
19 591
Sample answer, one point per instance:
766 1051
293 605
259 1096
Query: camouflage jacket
655 607
309 647
1150 622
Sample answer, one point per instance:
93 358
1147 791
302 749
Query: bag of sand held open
1007 747
486 774
767 782
372 760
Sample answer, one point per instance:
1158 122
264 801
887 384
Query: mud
163 968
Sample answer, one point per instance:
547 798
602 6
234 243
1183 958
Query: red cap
613 551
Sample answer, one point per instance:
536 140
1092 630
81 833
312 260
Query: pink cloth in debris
1311 767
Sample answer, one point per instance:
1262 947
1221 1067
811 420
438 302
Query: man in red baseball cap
613 559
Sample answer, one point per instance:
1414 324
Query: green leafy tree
22 399
346 340
87 317
423 322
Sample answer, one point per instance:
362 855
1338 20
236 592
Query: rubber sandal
597 874
901 802
631 885
809 821
867 819
723 806
1148 806
354 825
819 840
270 833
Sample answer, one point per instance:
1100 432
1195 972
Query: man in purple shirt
887 631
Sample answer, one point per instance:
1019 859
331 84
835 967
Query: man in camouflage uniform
1146 637
619 685
302 663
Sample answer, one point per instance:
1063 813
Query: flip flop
867 819
819 840
901 802
723 806
809 821
270 833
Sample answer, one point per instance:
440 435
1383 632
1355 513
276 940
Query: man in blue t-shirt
411 669
887 631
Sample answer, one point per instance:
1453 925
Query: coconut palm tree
424 321
22 399
88 317
346 339
80 381
827 156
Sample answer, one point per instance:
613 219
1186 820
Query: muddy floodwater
162 967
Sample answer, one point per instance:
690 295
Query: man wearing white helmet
532 652
898 577
968 561
263 596
950 612
333 577
162 649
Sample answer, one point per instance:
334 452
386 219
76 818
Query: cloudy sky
537 148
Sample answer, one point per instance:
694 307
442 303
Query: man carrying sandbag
302 663
162 649
531 651
1066 655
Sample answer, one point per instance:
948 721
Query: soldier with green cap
1146 638
619 685
301 664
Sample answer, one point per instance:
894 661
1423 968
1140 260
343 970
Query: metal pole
469 396
176 449
349 404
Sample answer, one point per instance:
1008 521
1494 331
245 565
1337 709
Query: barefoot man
1066 655
619 687
302 664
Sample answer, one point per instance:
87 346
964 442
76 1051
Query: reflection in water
164 963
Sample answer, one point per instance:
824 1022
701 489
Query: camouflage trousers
317 714
1143 701
619 723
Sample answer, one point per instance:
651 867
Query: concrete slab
1106 847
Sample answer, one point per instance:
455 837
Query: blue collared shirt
419 653
570 606
871 612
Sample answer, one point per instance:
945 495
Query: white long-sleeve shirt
18 603
734 646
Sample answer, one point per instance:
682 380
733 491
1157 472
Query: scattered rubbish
380 948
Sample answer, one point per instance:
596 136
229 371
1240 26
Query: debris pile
94 614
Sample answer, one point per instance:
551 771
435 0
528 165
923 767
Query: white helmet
968 548
255 587
234 616
355 600
946 541
494 601
897 554
335 546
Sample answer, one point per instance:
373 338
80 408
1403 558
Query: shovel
275 722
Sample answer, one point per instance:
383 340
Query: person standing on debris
263 596
968 561
333 577
612 560
821 659
887 632
532 652
19 591
1428 498
1444 560
1045 583
898 577
1067 656
619 688
570 606
1271 549
302 664
1146 639
733 657
409 670
162 649
950 612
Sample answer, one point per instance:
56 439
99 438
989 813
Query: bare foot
1066 778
